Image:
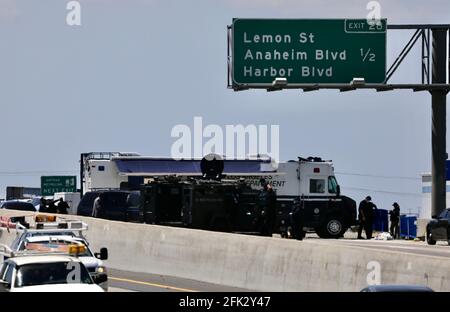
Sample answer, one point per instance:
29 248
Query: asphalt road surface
131 281
441 249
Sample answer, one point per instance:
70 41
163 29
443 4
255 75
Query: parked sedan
438 229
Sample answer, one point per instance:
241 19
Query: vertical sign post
438 132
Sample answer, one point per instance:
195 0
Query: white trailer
302 177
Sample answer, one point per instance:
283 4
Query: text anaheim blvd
288 55
292 55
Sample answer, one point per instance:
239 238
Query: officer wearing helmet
395 220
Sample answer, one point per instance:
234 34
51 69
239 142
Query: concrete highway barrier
257 263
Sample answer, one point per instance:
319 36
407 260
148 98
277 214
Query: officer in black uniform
63 206
366 216
51 207
297 220
271 210
395 219
43 205
267 199
262 203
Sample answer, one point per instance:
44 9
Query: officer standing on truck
395 219
261 207
366 216
272 209
267 208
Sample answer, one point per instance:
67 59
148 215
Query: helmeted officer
395 220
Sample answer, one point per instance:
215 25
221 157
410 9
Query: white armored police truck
309 180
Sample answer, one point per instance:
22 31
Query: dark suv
438 229
18 205
85 205
115 205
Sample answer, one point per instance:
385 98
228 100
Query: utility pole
438 132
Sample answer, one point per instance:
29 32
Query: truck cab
312 182
326 211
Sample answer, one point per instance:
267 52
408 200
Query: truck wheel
334 227
430 240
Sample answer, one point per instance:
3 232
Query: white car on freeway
50 239
45 273
45 243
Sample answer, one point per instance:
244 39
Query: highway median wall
256 263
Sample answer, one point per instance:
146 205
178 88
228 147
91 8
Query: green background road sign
55 184
307 50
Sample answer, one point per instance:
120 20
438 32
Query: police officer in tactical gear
366 216
51 207
297 220
267 209
395 220
63 206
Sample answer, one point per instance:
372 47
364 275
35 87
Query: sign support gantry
369 42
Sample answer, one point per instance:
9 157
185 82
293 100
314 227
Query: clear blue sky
136 68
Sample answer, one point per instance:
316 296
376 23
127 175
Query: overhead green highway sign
56 184
307 51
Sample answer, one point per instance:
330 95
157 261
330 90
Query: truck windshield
51 273
332 185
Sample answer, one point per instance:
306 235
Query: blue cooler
408 227
381 220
